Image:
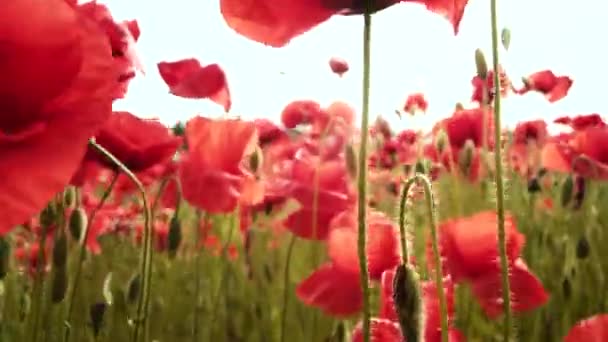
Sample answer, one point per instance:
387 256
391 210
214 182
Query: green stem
146 260
200 216
362 179
432 217
500 196
38 287
81 254
286 281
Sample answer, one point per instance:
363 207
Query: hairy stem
286 281
432 217
500 196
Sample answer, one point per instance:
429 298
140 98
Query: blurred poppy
545 82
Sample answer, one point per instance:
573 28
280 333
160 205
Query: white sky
413 50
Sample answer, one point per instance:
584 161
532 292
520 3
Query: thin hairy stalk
159 194
226 268
500 196
200 217
81 254
38 287
286 281
362 179
146 261
432 217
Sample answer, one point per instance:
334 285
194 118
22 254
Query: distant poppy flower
300 112
137 143
338 66
414 103
212 174
594 328
479 86
547 83
580 122
50 106
382 330
275 23
189 79
528 139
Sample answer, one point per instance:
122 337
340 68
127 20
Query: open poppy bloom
592 329
414 103
49 106
211 173
275 23
189 79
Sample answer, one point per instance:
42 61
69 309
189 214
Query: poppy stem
500 196
432 217
362 179
286 281
81 254
143 302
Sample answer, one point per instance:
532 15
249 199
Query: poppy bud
420 167
60 251
579 193
408 303
78 223
480 64
505 37
458 107
59 284
175 235
566 288
441 141
69 197
533 185
48 215
567 189
5 252
133 288
465 159
351 160
583 248
255 160
96 313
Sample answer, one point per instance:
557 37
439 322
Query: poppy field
325 226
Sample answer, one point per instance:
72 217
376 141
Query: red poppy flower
468 124
584 152
187 78
268 132
300 112
382 330
580 122
122 37
49 107
592 329
211 173
479 86
528 139
338 66
275 23
545 82
137 143
414 103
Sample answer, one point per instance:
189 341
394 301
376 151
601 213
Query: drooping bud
408 303
255 160
96 313
441 141
5 253
78 223
59 285
481 64
567 191
505 37
133 288
69 197
351 160
465 159
583 248
175 235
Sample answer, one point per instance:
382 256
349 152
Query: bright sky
413 50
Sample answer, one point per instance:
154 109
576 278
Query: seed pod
96 312
408 303
78 223
133 288
583 248
5 255
175 235
60 251
505 37
59 284
481 64
256 160
351 160
567 191
179 129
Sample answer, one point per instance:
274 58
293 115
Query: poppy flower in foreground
138 143
189 79
49 106
592 329
276 22
545 82
212 174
